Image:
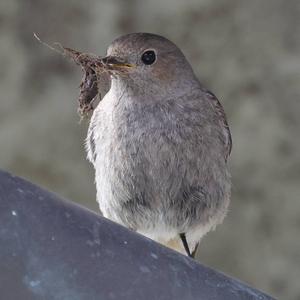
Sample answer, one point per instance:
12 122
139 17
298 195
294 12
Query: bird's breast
145 156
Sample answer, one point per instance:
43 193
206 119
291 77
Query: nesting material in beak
94 68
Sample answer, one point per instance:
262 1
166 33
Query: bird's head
148 61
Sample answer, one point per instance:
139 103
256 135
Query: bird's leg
195 250
185 245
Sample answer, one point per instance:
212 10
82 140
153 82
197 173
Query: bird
159 142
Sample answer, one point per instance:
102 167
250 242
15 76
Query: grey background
246 52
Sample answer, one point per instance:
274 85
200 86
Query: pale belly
155 180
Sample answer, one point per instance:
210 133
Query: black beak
115 63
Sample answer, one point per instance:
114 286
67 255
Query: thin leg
185 244
195 250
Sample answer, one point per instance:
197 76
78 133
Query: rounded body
160 165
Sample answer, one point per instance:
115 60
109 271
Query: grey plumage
159 142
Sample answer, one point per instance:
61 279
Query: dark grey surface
53 249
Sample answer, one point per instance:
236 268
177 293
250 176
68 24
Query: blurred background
246 52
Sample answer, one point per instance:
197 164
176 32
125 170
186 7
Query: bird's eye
148 57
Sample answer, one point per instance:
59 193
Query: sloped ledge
51 248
